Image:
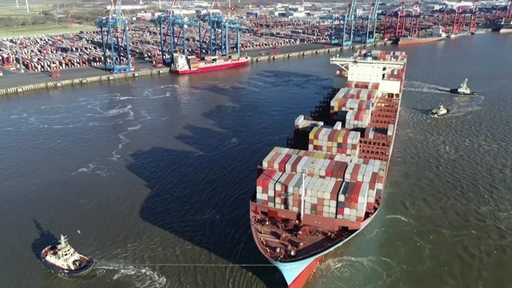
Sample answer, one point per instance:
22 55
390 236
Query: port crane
115 39
173 32
371 23
339 23
222 29
349 19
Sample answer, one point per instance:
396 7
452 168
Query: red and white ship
64 260
191 64
316 194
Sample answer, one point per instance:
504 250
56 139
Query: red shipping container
282 164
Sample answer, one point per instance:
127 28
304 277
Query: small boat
440 110
65 261
463 89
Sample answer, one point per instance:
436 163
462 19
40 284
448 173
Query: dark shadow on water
203 196
45 238
194 205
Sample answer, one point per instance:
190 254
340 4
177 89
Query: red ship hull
412 41
213 67
303 277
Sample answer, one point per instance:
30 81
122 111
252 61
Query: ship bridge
384 68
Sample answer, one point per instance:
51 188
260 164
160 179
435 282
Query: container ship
327 183
438 34
191 64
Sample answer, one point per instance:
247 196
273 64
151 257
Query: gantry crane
115 39
173 32
473 18
371 23
349 20
220 32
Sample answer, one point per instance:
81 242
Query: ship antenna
302 195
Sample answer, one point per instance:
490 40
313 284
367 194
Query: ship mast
302 195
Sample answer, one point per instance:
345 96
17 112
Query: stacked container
338 141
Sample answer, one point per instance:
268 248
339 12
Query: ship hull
212 67
297 273
83 270
414 41
456 91
327 185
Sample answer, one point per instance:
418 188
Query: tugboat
65 261
463 89
440 110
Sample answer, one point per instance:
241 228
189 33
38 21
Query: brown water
152 177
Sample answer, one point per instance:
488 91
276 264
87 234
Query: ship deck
283 235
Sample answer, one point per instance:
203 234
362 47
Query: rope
208 265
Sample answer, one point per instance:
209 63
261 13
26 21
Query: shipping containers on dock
327 185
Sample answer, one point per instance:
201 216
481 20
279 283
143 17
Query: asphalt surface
15 79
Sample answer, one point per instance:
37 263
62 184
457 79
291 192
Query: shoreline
15 83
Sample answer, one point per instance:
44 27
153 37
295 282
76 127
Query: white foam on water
141 276
88 169
425 87
134 128
118 111
91 168
146 115
398 217
376 268
170 86
464 104
23 115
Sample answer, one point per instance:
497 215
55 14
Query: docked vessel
438 34
419 40
440 110
182 64
503 27
463 89
65 261
324 187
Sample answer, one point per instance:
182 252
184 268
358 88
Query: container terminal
131 37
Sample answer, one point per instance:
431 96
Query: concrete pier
267 55
82 81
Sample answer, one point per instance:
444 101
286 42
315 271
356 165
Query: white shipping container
348 172
288 167
360 173
367 174
265 161
391 128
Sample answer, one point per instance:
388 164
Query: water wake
142 277
425 87
378 269
398 217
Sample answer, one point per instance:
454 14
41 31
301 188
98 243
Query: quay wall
83 80
157 71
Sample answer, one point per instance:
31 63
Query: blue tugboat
65 261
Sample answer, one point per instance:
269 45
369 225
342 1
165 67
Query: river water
152 176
